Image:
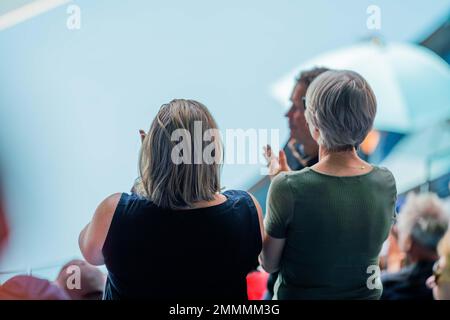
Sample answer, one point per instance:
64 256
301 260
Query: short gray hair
424 219
171 185
342 106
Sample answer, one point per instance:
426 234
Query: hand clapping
274 163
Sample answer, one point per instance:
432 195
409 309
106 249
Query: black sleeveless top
204 253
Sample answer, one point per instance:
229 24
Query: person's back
202 253
336 230
325 225
177 235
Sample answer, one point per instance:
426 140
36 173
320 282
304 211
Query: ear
316 134
313 131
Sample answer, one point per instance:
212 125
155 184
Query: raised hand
274 163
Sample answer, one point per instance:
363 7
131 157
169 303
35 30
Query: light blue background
71 102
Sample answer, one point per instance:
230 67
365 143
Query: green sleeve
394 197
280 207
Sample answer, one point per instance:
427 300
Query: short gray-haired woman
178 236
325 225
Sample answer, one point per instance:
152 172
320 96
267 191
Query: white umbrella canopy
411 83
420 157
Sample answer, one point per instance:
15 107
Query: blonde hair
342 106
178 185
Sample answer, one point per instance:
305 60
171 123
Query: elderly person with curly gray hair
325 225
422 222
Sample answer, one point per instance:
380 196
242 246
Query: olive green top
334 229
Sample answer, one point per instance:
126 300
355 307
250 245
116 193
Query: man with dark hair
301 150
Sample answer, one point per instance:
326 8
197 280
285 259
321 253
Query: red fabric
3 227
31 288
257 285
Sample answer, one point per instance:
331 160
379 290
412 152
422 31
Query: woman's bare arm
93 236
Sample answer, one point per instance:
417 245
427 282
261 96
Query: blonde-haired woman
325 224
178 236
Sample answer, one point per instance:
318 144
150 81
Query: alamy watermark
73 281
239 146
73 21
373 21
373 281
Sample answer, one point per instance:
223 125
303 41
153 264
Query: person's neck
218 199
338 156
341 162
